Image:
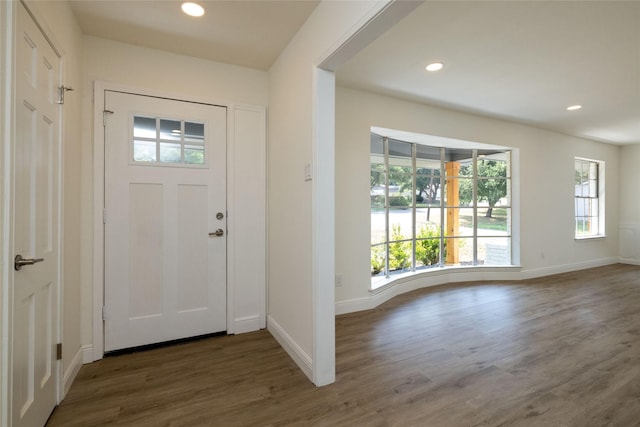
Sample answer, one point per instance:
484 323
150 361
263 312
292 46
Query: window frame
382 277
599 199
157 140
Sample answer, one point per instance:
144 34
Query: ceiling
522 61
240 32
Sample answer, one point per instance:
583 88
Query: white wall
546 189
629 204
245 91
298 316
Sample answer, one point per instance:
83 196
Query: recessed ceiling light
574 107
192 9
435 66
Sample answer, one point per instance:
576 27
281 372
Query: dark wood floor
557 351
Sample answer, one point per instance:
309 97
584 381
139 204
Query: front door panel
165 267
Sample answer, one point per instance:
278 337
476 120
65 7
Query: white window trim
602 232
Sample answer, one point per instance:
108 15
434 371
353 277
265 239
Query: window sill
598 236
446 274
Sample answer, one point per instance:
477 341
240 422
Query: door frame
97 350
8 19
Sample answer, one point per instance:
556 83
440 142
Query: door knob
19 262
218 232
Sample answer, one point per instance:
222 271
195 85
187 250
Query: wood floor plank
561 350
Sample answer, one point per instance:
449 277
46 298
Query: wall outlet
338 280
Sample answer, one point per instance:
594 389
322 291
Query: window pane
377 180
460 156
490 167
496 221
581 226
194 154
593 188
494 251
458 222
428 186
492 191
430 153
169 152
378 229
399 149
593 207
428 217
400 184
578 174
459 192
428 244
581 208
194 132
144 151
144 127
400 254
378 260
458 251
585 226
376 144
377 199
170 130
400 226
427 252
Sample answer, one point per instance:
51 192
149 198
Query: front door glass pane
162 141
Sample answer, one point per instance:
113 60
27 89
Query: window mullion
182 132
157 140
442 211
415 202
385 146
475 205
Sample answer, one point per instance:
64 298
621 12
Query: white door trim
7 11
97 351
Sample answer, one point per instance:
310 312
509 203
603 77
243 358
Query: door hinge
59 351
61 90
104 313
104 216
104 116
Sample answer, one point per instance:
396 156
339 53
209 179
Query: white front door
35 227
165 220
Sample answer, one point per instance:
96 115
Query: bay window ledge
443 275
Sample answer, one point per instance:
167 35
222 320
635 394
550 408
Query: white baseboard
299 356
567 268
631 261
87 354
443 277
72 371
247 324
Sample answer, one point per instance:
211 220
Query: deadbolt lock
219 215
